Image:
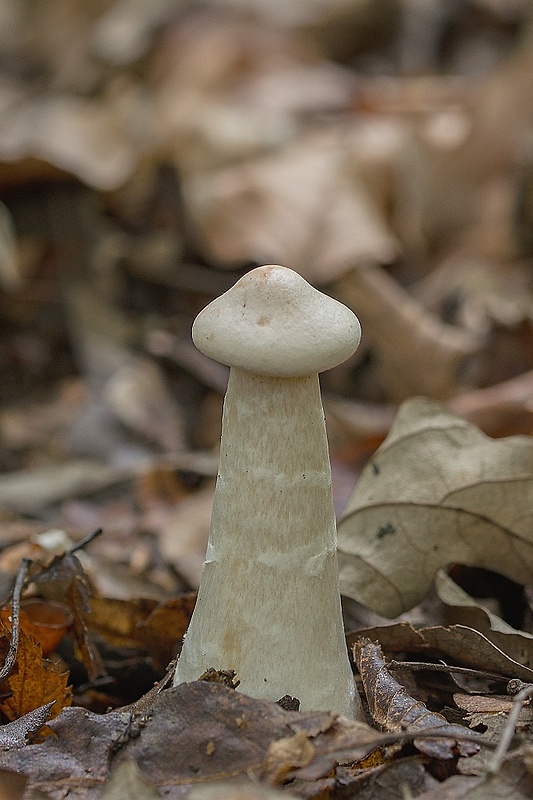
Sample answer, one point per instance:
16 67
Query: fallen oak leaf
437 491
393 708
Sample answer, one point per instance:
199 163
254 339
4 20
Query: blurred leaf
117 620
303 206
437 491
162 631
127 783
46 621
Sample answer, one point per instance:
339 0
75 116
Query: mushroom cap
273 322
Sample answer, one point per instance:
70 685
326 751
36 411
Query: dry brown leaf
138 396
65 579
88 138
456 644
162 631
416 352
437 491
35 681
464 610
394 709
117 620
304 206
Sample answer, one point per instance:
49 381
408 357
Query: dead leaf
76 758
88 137
464 610
437 491
304 206
16 734
288 754
35 682
162 631
210 733
235 790
183 537
127 783
411 328
513 781
65 578
394 709
457 644
45 621
138 396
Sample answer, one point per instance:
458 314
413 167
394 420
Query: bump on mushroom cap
273 322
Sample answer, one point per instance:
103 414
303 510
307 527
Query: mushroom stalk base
269 605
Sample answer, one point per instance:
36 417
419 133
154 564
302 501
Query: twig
509 730
84 542
11 657
416 666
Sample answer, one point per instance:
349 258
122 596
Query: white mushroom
269 605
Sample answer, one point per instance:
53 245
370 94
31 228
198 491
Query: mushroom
269 605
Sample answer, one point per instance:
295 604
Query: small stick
421 665
509 729
11 657
84 542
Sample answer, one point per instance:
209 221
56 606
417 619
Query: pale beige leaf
127 783
303 206
437 491
465 610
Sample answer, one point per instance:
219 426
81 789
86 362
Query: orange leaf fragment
45 620
35 681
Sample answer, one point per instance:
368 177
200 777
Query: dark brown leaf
65 580
394 709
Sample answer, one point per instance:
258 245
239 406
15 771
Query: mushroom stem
269 604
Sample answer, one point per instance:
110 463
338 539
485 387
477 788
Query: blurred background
152 151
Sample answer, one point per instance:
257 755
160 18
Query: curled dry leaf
457 644
437 491
46 621
394 709
464 610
